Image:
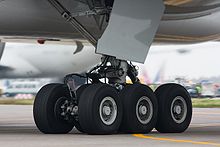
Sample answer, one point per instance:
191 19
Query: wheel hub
144 110
64 109
178 109
108 111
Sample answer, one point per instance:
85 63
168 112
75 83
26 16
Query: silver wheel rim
144 110
178 109
108 111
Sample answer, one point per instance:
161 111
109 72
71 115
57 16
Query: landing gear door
131 29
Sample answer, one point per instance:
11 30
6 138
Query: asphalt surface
17 129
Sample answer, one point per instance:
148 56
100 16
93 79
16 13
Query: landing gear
108 105
175 109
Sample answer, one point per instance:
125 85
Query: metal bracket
75 23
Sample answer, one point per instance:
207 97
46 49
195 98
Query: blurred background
23 73
193 66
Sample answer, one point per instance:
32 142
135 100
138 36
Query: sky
200 60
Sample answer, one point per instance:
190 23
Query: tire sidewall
44 113
174 92
58 92
89 109
166 94
96 103
134 93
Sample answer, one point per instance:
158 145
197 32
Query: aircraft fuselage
189 22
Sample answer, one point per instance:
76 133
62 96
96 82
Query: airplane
122 31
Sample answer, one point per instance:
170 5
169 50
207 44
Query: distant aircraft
121 31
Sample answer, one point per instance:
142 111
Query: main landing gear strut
107 105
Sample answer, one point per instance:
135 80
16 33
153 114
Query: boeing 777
121 31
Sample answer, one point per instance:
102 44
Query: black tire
78 126
79 92
89 111
131 95
166 94
44 109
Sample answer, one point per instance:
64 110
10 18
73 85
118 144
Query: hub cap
178 109
63 110
108 111
144 110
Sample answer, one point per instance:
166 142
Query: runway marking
175 140
204 125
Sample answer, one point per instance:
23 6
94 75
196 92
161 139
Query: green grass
206 103
197 103
11 101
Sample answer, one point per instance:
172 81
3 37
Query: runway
17 129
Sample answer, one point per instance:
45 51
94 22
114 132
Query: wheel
139 109
79 91
100 109
174 108
49 104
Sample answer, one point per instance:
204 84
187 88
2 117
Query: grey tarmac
17 129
